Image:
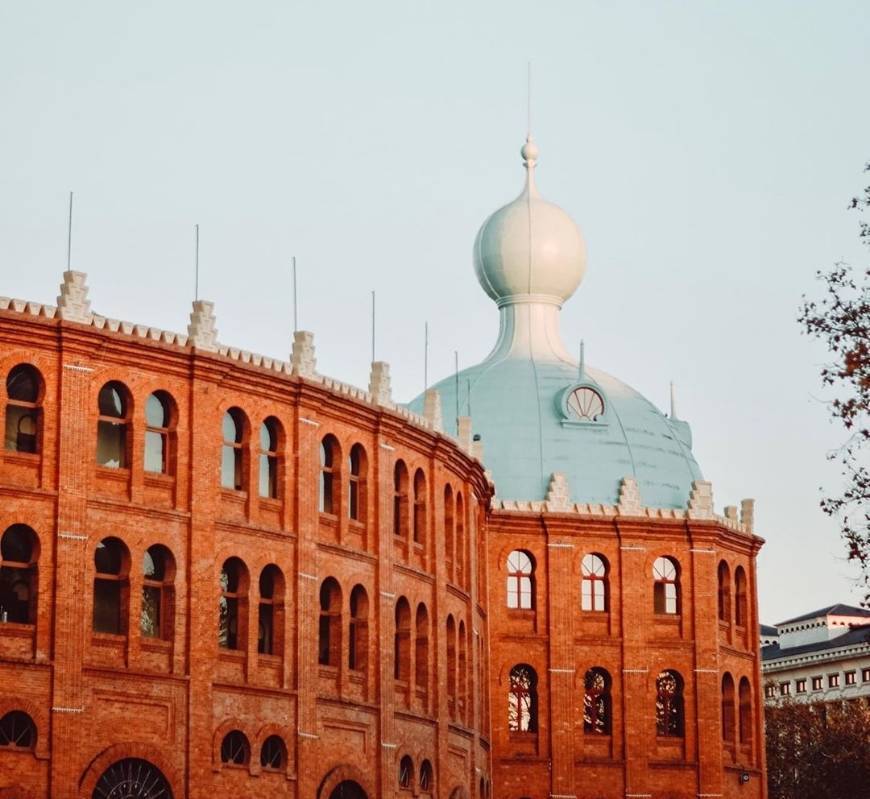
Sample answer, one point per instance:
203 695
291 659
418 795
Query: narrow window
850 677
406 773
449 522
451 666
234 429
232 604
596 703
158 440
426 777
520 569
356 488
17 730
669 705
741 616
421 654
833 681
328 475
359 630
24 390
746 710
724 592
784 688
728 708
235 749
462 697
402 642
817 683
111 587
18 557
460 540
666 592
158 569
400 500
273 754
523 699
269 458
329 638
112 437
419 507
593 586
269 616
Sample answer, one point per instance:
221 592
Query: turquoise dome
536 410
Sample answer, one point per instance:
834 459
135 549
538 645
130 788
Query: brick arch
263 733
340 774
217 739
136 749
36 712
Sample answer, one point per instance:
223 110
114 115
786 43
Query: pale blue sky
707 150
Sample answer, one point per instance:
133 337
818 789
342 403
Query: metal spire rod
456 370
69 235
529 98
425 356
196 267
295 306
373 326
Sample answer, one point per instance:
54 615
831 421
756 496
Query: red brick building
224 576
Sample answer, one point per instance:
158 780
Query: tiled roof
855 636
832 610
768 631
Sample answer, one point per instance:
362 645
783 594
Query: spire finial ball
529 151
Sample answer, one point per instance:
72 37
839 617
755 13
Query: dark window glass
17 730
235 749
273 754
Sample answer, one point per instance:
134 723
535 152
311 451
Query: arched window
269 442
111 587
593 583
520 590
358 651
421 654
449 522
234 427
159 420
24 390
235 749
596 702
329 637
462 697
273 754
402 642
158 572
666 589
18 557
270 617
745 696
451 666
669 704
329 460
728 708
460 540
426 777
400 500
114 419
356 488
523 699
132 778
741 616
17 730
724 592
406 773
419 507
233 605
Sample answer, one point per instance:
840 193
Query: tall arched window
356 488
269 443
270 623
593 583
17 730
520 588
419 507
233 605
724 593
329 474
18 556
406 773
741 616
273 754
666 589
460 540
451 666
112 427
426 777
449 522
111 587
669 705
462 697
358 650
235 433
728 708
596 702
402 642
24 390
400 500
158 572
329 636
745 697
159 444
421 654
523 699
235 749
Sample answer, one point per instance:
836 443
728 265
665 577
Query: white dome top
530 249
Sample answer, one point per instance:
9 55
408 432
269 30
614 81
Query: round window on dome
585 404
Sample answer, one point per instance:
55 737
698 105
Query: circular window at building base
132 779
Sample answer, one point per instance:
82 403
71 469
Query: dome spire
529 152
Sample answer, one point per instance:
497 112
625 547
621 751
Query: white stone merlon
302 357
629 498
701 500
558 493
432 409
464 429
379 383
747 514
73 304
477 449
201 332
731 513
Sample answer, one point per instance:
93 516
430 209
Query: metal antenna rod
69 235
295 306
456 370
373 327
196 262
529 98
425 356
